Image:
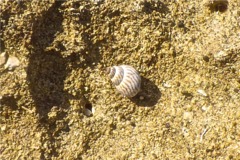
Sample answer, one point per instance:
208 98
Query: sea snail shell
126 79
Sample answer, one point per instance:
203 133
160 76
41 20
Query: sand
59 103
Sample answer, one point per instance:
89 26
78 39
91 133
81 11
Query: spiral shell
126 79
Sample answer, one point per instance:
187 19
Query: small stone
3 128
236 90
202 92
206 58
221 56
3 58
167 85
188 116
97 1
204 108
86 88
12 63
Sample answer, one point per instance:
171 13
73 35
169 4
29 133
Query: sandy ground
59 104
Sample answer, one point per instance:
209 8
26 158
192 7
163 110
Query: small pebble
3 58
97 1
188 116
3 128
202 92
221 56
204 108
12 63
167 85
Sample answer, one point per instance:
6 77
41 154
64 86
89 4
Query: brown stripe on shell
133 85
127 90
129 83
126 82
126 79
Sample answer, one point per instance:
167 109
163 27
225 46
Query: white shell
126 79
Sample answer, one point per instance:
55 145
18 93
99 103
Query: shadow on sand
148 96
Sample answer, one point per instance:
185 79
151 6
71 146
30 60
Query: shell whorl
126 79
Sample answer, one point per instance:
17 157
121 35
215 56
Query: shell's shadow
148 96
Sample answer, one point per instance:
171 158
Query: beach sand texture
56 102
